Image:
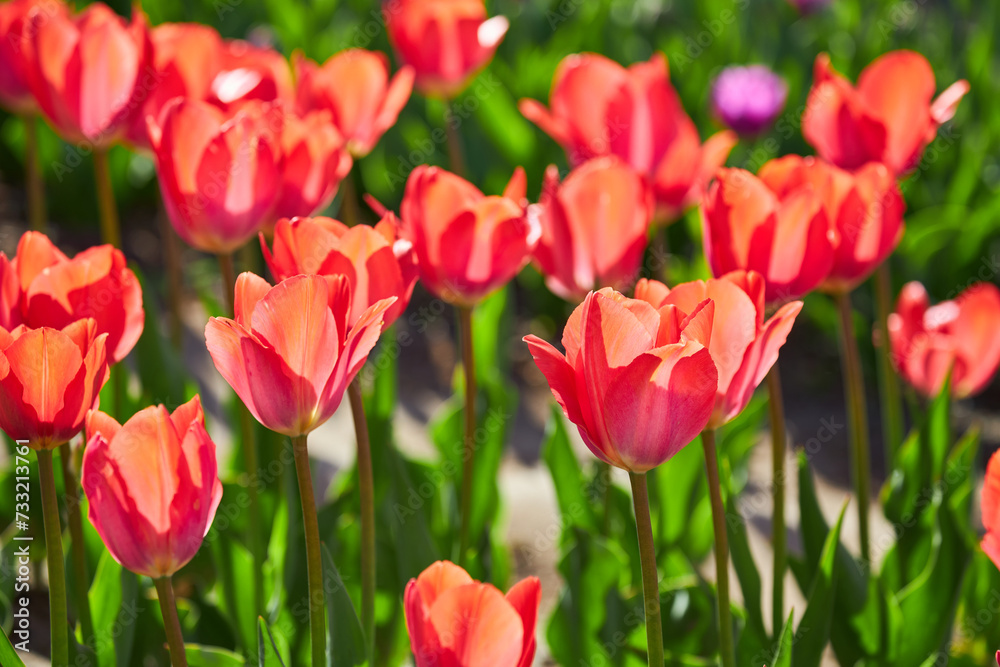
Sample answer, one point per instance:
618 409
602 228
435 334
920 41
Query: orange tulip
599 107
960 337
248 73
354 86
153 486
467 244
990 507
594 227
889 117
457 621
49 379
376 262
10 294
635 381
743 346
446 42
290 353
315 162
18 22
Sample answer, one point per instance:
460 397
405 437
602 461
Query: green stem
36 180
647 561
227 272
119 382
110 227
175 275
78 552
890 396
350 209
366 489
456 158
314 564
721 549
857 415
469 443
54 559
171 624
778 537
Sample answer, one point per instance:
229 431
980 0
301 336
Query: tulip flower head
446 42
889 117
153 486
990 507
743 345
635 380
455 620
960 337
290 353
248 73
748 99
599 108
18 21
315 161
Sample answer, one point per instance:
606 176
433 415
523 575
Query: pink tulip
315 162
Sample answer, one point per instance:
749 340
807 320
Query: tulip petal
478 627
525 596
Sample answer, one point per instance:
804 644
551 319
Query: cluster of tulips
246 146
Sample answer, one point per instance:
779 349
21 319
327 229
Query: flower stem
456 158
110 228
227 272
366 488
171 624
647 560
776 402
890 396
469 443
175 275
36 180
54 559
857 415
721 549
314 564
350 209
78 552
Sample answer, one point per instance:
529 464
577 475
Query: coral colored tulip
457 621
93 72
375 261
594 227
743 346
748 99
153 486
18 21
10 294
961 337
599 107
290 353
467 244
315 162
354 86
635 381
889 117
990 508
248 73
446 42
49 379
219 176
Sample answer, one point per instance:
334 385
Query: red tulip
93 72
990 506
446 42
601 108
889 117
18 21
785 236
743 346
290 353
635 381
248 73
49 379
376 262
457 621
219 176
354 86
315 162
961 337
594 227
153 486
10 294
467 244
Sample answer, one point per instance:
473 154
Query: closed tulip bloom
376 262
990 508
354 86
743 345
960 337
153 486
599 108
10 294
93 72
467 244
635 381
248 73
219 175
748 99
17 25
49 379
889 117
594 227
290 353
783 235
457 621
315 162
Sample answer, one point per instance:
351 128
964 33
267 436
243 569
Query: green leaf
567 475
814 628
345 638
234 566
8 656
266 649
113 604
746 569
211 656
783 657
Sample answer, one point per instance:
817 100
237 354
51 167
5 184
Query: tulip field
452 333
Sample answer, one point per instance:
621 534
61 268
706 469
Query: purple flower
748 99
